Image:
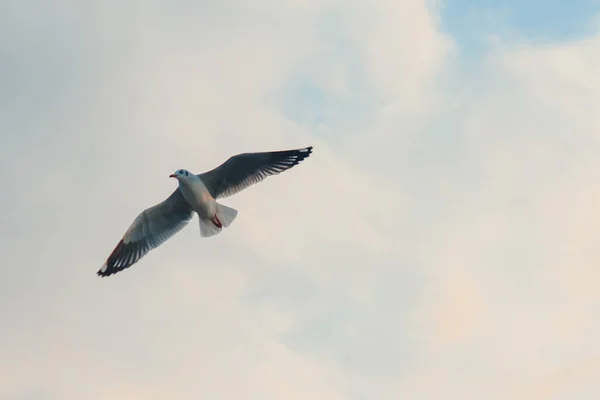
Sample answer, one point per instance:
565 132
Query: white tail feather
225 214
207 228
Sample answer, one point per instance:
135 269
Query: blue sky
468 21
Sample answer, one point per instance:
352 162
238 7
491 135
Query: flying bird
197 194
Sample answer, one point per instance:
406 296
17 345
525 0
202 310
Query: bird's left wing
150 229
246 169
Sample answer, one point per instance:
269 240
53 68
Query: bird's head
181 174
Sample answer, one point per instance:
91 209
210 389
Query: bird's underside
156 224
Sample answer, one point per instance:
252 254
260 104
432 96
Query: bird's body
197 194
212 215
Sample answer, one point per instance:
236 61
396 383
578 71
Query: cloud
440 241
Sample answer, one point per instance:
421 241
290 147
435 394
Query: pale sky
441 242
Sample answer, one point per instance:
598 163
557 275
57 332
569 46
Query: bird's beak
172 176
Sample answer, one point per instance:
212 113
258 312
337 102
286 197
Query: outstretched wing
150 229
243 170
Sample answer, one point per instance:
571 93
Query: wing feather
244 170
150 229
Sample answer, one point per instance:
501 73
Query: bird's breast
199 199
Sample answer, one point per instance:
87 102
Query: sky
440 242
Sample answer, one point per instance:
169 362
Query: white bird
197 194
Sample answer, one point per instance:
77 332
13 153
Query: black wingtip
123 251
303 153
292 157
102 274
110 271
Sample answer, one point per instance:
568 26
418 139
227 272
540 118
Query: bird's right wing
150 229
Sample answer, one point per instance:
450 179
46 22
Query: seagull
197 194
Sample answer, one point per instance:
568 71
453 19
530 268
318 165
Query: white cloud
440 241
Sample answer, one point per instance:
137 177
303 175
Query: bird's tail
223 218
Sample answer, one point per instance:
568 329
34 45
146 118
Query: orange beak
172 176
